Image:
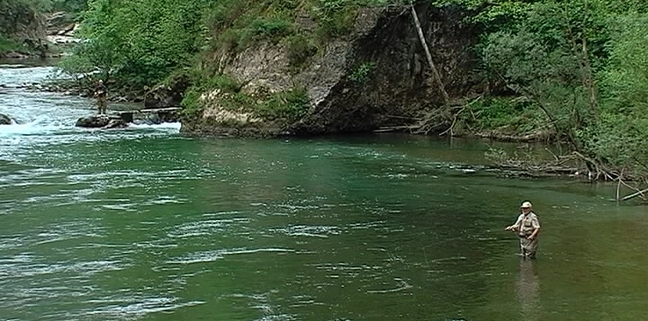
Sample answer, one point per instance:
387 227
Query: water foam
52 114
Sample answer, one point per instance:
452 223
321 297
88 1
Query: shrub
8 44
362 72
300 48
288 106
202 84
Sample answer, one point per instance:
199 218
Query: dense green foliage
580 68
7 44
621 134
139 42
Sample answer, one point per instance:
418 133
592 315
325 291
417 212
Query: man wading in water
527 226
101 94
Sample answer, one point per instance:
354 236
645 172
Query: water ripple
210 256
310 231
206 227
132 309
21 269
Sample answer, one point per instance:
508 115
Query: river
143 223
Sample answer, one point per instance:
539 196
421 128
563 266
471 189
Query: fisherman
527 227
101 93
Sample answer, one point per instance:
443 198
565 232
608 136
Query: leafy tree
583 63
74 6
620 136
138 43
625 80
101 51
548 57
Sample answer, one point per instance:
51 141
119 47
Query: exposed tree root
575 164
642 193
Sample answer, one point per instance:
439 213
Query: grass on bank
505 115
8 45
283 107
302 25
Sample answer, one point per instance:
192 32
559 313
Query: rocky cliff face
18 20
376 76
21 24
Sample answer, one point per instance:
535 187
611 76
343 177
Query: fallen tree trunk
633 195
435 71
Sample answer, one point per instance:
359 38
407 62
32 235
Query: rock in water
94 121
115 123
5 120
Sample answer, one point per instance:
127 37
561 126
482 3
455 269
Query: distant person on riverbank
527 227
101 93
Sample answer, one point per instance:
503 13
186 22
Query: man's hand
510 228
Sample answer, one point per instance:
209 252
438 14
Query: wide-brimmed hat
526 205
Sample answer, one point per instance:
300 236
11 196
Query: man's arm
515 226
534 234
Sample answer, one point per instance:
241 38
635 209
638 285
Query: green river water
145 224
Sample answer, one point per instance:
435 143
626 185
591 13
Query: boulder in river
101 121
93 121
5 120
162 116
115 123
